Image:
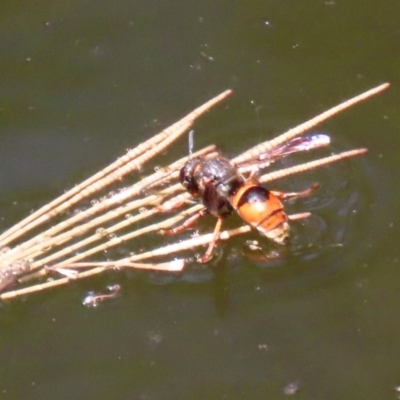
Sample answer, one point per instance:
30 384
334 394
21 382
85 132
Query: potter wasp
223 188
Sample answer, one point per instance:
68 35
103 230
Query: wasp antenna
191 142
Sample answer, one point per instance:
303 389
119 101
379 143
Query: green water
81 81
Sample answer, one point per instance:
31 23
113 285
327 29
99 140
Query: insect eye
183 176
187 179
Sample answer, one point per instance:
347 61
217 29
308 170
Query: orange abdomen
263 210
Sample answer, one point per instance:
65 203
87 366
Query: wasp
223 189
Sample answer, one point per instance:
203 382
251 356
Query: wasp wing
295 145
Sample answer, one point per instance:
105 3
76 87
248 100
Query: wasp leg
252 178
291 195
185 224
207 255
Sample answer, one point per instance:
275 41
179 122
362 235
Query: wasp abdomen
263 210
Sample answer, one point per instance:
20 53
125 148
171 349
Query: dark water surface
81 81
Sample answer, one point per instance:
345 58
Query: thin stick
172 221
129 236
82 190
52 239
34 248
189 244
172 266
302 128
47 239
297 169
87 191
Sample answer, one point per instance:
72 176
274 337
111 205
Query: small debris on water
93 299
155 339
291 388
206 56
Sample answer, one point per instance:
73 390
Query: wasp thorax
214 180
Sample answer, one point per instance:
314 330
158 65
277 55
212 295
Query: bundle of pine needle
55 241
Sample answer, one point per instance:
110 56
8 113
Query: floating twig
65 247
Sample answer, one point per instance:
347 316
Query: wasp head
187 176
